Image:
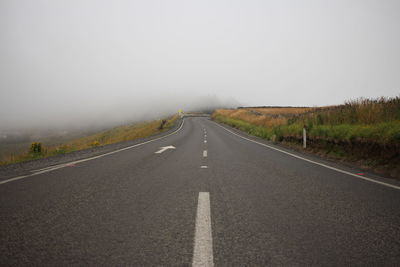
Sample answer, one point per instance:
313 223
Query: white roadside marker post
304 137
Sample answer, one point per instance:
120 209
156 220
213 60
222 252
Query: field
114 135
366 131
267 117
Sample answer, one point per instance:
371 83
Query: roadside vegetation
117 134
365 130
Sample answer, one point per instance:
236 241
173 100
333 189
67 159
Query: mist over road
209 196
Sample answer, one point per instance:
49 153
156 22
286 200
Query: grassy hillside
364 130
114 135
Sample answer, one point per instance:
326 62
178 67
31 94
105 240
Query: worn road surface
215 199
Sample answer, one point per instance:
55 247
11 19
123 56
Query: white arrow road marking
203 251
162 149
37 172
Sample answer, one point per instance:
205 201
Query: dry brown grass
267 117
281 111
114 135
118 134
359 111
365 131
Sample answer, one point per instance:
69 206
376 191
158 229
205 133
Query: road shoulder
24 168
307 155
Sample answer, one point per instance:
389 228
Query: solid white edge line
47 168
56 167
203 250
314 162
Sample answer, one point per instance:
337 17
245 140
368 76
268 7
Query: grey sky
110 59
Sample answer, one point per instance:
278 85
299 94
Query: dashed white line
205 141
205 153
203 250
204 167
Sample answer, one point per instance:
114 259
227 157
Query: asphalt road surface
214 199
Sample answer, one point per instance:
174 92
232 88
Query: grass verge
114 135
364 132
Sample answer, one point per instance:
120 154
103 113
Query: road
216 199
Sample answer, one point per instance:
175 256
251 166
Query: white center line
205 153
204 167
203 251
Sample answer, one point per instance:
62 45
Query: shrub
61 149
36 148
163 122
95 143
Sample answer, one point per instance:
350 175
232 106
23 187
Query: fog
77 115
71 64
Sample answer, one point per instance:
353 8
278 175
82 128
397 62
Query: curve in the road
52 168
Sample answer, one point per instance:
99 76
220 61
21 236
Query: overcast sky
63 60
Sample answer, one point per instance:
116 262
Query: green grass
248 127
383 133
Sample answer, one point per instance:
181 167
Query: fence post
304 137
